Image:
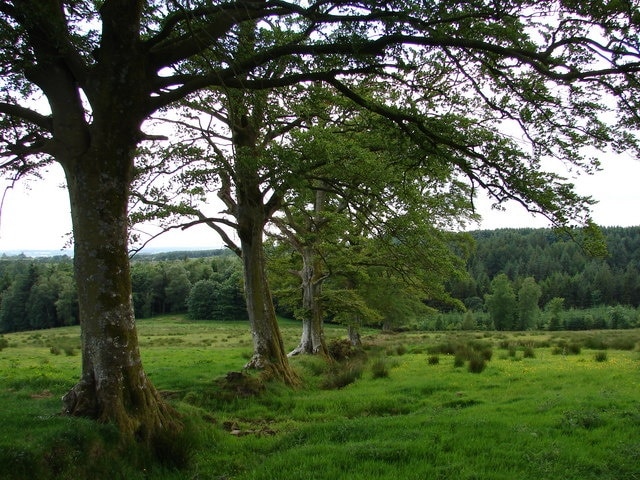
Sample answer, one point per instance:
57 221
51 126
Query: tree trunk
268 346
312 341
113 386
251 215
354 335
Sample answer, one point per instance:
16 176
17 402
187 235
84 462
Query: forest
39 293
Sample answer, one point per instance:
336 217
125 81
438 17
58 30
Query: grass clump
477 362
601 356
343 374
379 369
433 360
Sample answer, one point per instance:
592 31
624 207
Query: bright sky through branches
36 214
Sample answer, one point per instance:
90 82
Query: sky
35 215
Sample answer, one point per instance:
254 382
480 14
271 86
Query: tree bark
251 215
268 346
113 386
312 341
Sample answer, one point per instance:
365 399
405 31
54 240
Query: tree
13 307
104 71
554 308
528 297
202 300
501 303
178 288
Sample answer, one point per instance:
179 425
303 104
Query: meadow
544 405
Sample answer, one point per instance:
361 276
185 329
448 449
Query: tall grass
544 416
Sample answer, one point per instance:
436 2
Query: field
546 405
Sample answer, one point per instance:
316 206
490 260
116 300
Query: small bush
69 351
433 360
401 350
529 352
343 375
477 363
622 343
379 369
574 348
55 350
601 356
458 361
341 349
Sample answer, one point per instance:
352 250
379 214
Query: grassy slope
548 417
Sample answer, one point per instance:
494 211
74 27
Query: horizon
35 214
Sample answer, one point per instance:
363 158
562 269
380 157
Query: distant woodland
38 293
557 264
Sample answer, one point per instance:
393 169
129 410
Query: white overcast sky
35 216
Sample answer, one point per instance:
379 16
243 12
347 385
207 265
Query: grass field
546 406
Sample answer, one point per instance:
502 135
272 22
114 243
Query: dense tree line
559 266
41 293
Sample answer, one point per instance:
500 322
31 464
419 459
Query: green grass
548 416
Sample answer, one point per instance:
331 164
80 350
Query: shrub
433 360
341 349
55 350
343 375
574 348
477 363
379 369
601 356
458 361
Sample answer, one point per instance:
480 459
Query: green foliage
201 302
528 309
563 265
469 322
39 293
501 303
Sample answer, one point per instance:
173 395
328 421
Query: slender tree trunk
113 386
268 346
252 215
312 341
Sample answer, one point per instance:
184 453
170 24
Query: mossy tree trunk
96 150
113 386
252 211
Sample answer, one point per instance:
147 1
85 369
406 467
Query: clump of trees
41 293
37 294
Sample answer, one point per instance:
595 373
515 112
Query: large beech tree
79 79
